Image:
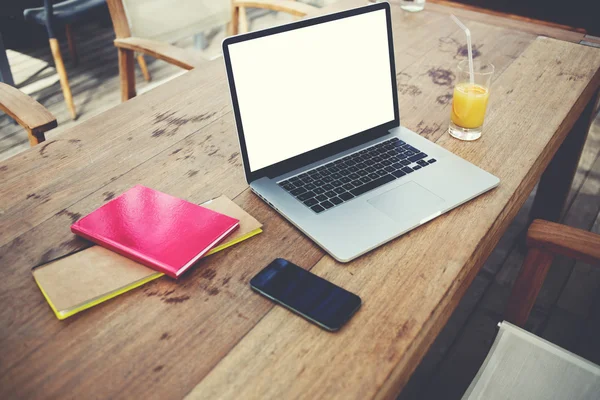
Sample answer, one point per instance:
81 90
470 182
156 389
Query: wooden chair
239 20
61 16
521 365
30 114
545 240
149 27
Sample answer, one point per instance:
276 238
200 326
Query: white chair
521 365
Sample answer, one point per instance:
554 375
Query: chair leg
527 286
243 20
234 25
127 73
62 75
71 43
35 137
144 67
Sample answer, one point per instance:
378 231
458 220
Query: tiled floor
568 309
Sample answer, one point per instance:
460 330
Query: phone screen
314 298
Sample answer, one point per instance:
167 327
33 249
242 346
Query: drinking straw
469 48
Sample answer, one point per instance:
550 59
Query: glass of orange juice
469 101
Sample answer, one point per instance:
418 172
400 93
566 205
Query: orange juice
468 105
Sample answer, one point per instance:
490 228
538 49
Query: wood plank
578 294
564 240
564 329
27 112
388 355
187 59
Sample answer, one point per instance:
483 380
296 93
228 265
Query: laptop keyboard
342 180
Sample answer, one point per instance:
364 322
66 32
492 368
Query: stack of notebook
143 235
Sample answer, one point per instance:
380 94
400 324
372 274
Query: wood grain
242 19
143 67
546 240
234 25
564 240
209 335
186 59
28 113
119 18
126 73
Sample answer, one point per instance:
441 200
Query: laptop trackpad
407 201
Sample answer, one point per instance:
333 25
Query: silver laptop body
316 110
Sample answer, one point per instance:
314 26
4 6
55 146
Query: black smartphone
304 293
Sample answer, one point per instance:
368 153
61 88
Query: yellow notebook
78 281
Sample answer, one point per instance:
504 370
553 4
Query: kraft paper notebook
89 277
163 232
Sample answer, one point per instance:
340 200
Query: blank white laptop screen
305 88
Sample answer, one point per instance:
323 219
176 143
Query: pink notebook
155 229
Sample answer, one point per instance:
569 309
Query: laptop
316 110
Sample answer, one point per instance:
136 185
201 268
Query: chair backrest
521 365
171 20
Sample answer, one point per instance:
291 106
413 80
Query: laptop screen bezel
327 150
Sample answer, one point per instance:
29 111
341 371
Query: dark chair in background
60 16
5 73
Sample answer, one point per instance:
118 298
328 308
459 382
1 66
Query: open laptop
316 109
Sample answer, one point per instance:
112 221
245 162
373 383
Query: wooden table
208 335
